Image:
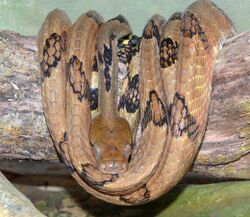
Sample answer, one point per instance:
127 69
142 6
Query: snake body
127 114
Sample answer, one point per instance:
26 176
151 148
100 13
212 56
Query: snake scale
126 113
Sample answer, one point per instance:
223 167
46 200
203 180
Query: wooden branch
14 203
225 151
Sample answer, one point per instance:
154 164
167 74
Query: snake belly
127 114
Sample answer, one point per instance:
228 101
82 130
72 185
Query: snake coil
126 113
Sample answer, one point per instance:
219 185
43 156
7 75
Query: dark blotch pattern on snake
155 111
88 168
191 27
93 98
127 51
151 30
120 18
61 154
107 59
130 100
95 64
183 121
54 45
77 79
168 52
144 196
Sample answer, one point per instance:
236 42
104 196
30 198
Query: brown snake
127 114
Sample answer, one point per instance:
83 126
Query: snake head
111 141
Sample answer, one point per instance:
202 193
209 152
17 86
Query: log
14 203
225 151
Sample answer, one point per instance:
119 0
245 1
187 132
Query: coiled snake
127 114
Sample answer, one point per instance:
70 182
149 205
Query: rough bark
225 151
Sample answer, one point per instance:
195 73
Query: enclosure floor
60 196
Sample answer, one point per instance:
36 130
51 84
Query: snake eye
128 151
97 152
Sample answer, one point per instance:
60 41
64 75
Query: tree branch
225 150
14 203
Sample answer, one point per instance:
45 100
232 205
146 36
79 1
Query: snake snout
113 167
